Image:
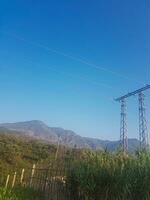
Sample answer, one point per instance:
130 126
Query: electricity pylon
143 133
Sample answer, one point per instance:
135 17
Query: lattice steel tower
123 127
143 132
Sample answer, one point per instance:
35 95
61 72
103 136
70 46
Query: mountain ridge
39 130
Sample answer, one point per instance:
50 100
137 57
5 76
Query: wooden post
57 150
7 181
14 180
22 176
46 180
32 175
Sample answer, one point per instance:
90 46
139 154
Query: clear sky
63 62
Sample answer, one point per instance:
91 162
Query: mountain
39 130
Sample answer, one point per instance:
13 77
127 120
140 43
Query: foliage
18 151
105 176
7 195
91 176
19 194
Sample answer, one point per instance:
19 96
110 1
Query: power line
70 57
83 78
77 77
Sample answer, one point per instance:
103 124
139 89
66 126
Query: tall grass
105 176
7 195
19 194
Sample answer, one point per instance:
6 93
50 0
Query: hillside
39 130
21 151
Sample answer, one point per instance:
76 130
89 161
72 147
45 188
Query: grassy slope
18 152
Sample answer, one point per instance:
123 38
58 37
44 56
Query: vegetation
20 151
92 175
104 176
19 194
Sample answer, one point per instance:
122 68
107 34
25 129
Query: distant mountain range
39 130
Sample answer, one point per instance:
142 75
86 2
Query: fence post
22 176
7 181
46 180
14 179
32 175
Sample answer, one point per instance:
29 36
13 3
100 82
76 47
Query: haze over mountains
39 130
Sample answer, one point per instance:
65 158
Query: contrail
72 75
108 98
71 57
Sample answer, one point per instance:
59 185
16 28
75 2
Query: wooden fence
50 181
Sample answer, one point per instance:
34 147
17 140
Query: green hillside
20 151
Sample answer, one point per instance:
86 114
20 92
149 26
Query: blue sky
64 61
